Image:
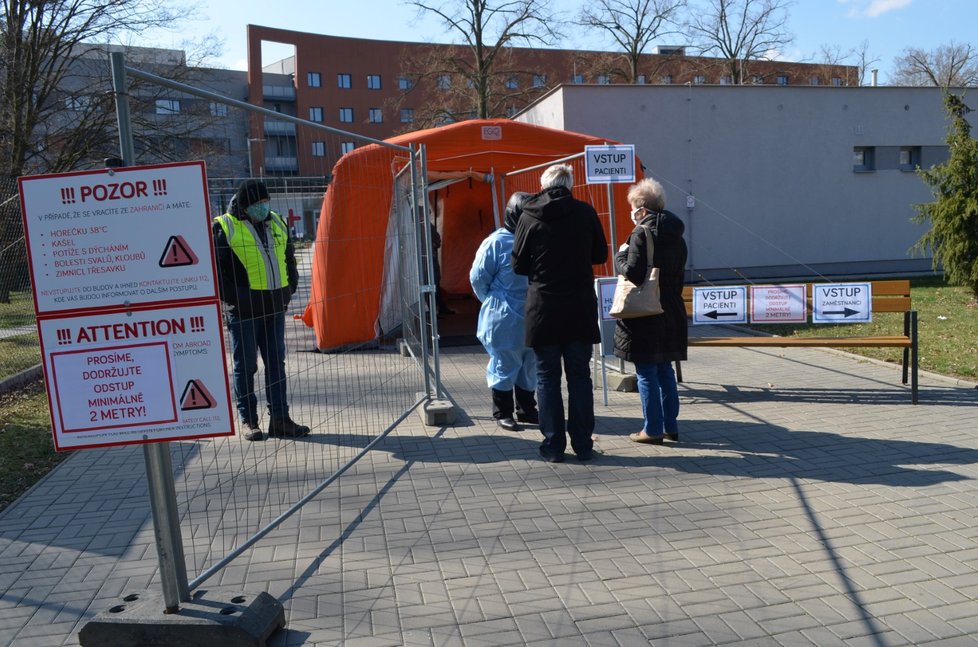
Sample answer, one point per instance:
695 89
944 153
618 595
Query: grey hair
647 193
558 175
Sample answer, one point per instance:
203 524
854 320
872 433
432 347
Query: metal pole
419 219
614 270
159 468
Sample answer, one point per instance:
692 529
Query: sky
888 25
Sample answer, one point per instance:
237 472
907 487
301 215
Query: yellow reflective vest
264 263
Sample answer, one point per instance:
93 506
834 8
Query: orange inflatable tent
349 257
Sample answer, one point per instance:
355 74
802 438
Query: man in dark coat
557 241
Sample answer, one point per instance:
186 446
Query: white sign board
726 304
609 164
842 303
778 304
144 375
129 236
606 295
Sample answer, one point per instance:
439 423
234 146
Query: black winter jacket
557 240
239 299
659 338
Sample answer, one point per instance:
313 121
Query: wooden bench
888 296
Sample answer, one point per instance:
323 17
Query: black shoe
673 436
530 417
550 456
252 431
286 428
585 456
508 424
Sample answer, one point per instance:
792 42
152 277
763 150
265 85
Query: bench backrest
888 296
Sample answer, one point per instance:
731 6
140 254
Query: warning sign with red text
144 375
123 237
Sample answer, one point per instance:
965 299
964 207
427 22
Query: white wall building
786 181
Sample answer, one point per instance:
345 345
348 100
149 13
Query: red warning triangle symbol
195 396
177 253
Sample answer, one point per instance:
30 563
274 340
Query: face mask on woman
259 211
637 214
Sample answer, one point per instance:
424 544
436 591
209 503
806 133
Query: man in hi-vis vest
257 277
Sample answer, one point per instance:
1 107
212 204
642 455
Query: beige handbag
630 300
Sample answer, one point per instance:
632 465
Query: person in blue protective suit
512 366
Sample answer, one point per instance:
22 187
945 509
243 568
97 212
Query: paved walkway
809 503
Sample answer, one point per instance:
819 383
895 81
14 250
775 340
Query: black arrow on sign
848 312
713 314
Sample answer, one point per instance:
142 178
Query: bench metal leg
913 355
905 365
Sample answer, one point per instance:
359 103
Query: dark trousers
249 337
576 358
502 403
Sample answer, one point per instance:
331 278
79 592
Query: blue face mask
259 211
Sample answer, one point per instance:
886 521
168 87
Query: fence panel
231 491
19 346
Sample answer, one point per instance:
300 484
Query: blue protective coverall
501 318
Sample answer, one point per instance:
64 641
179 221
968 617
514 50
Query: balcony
281 164
279 128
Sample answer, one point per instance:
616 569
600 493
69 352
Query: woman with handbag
654 342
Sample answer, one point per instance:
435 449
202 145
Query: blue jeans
576 358
249 337
660 398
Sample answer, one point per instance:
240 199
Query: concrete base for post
624 382
214 618
439 413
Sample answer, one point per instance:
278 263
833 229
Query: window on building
863 159
539 80
813 80
836 81
782 79
319 149
603 79
512 83
667 79
376 116
314 79
444 82
167 106
757 79
346 115
316 113
404 83
511 111
373 81
79 103
346 147
909 158
699 79
577 78
641 79
344 81
219 109
407 115
726 80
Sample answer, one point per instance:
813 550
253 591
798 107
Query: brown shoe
252 431
642 437
286 428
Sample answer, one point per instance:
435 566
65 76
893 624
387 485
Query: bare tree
853 63
740 31
55 106
951 65
473 76
632 25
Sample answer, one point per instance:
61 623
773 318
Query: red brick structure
374 88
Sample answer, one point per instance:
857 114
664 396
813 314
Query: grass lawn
26 448
947 328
